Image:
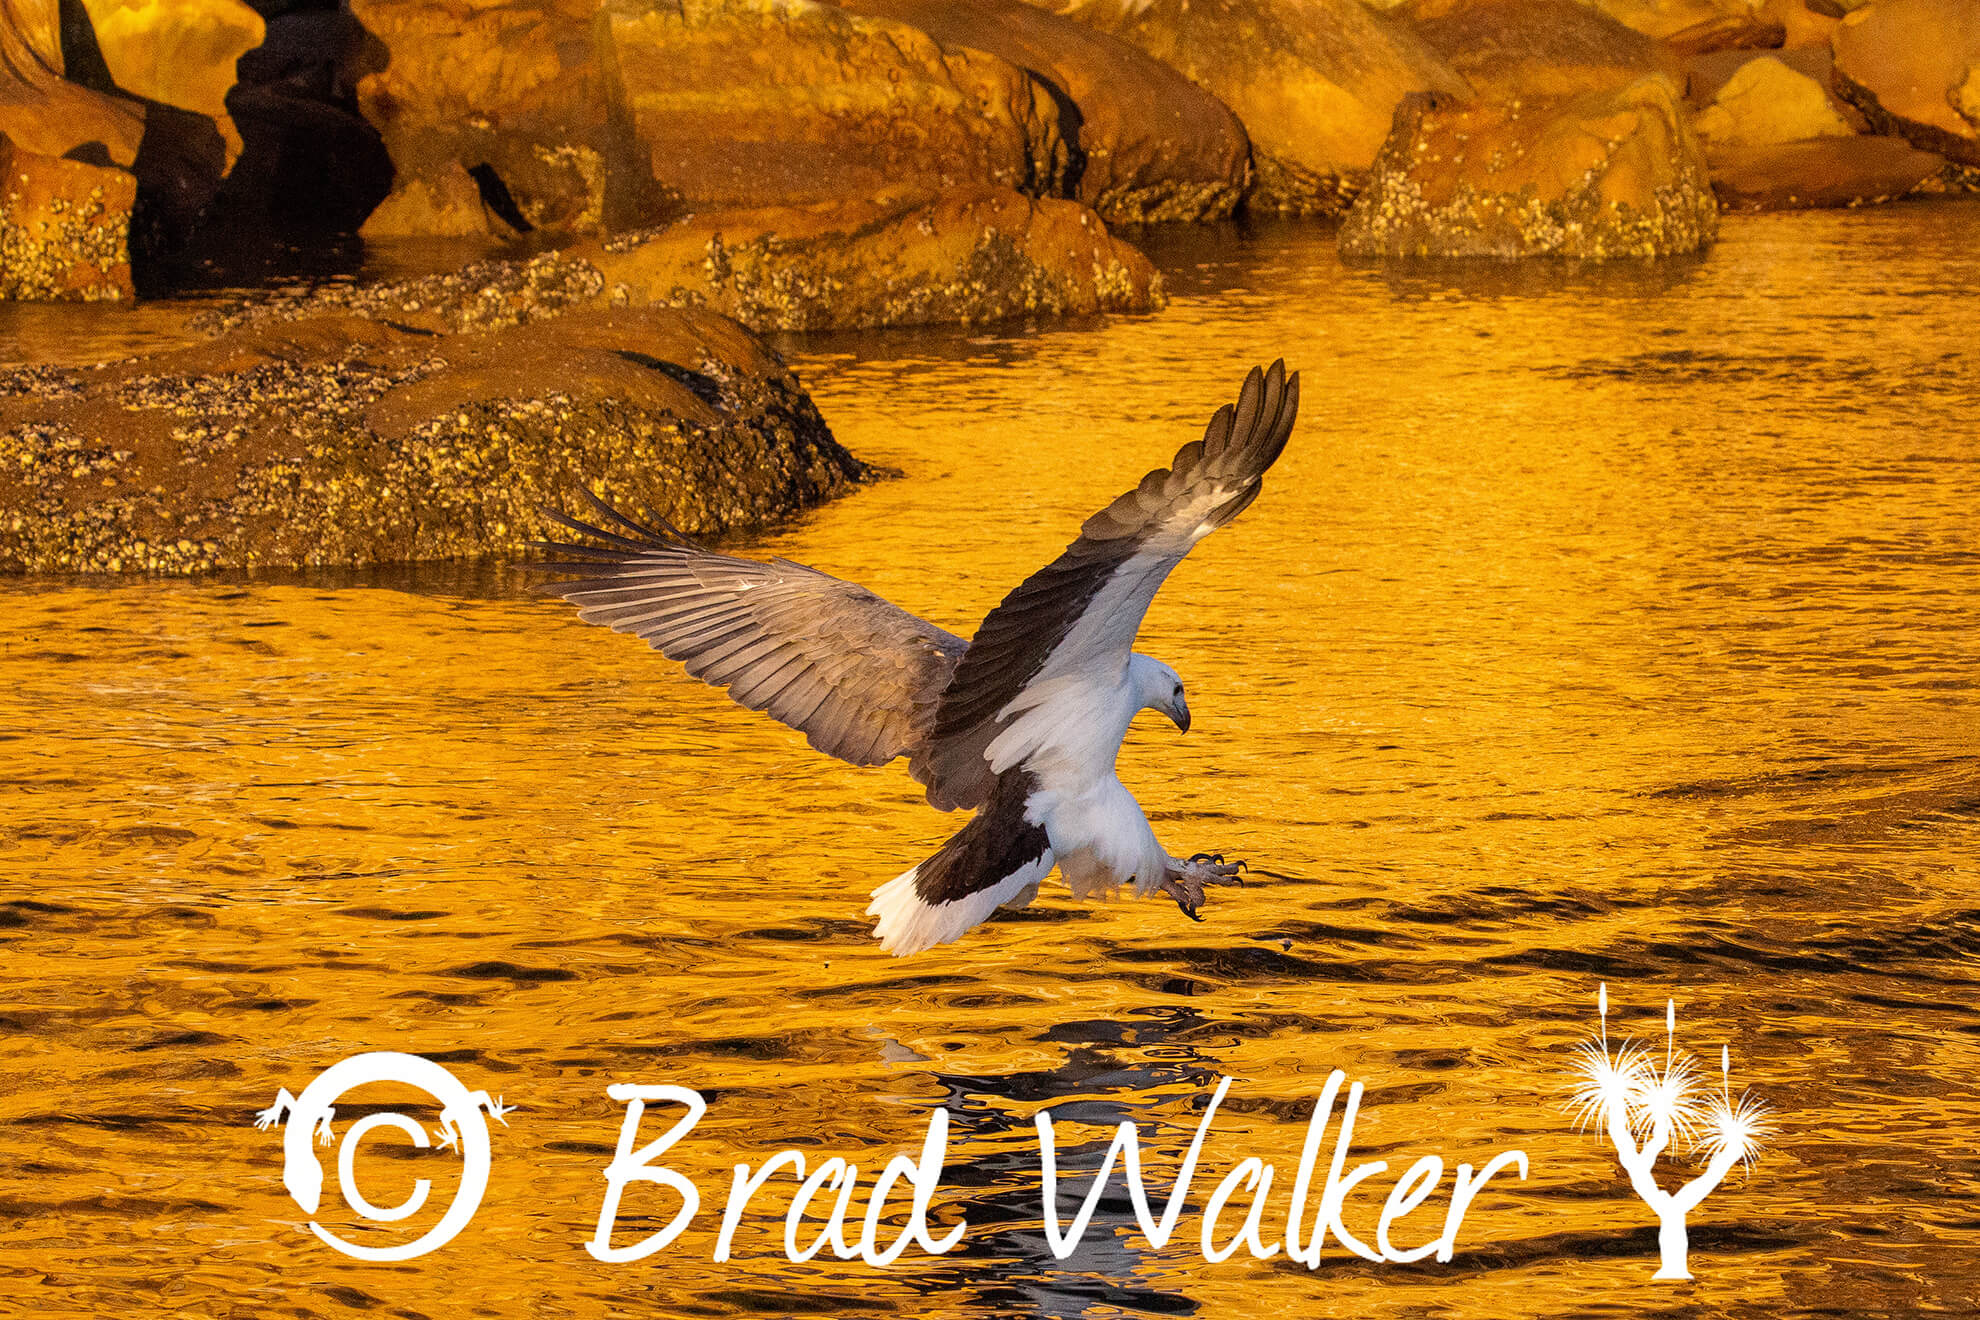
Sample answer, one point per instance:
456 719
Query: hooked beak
1181 716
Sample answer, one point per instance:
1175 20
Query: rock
66 191
1146 144
1695 26
1609 174
1913 67
907 257
1314 81
347 441
1535 49
1765 103
515 91
1802 25
177 52
904 258
64 228
47 115
1819 172
775 102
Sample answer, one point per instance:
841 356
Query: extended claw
448 1137
497 1110
323 1134
1186 881
268 1117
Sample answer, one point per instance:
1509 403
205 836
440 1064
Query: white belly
1101 838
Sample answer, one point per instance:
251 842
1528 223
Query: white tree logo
1643 1106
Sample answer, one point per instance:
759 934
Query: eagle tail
997 860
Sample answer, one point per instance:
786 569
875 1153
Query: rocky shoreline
683 175
136 146
341 440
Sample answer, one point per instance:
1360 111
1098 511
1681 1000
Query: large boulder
66 152
772 102
906 257
1511 49
497 117
1765 103
1913 67
1315 82
1609 174
1146 143
349 441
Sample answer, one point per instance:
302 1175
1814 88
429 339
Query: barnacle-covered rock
1609 174
344 440
906 257
66 153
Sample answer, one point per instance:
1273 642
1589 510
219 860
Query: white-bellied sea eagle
1022 723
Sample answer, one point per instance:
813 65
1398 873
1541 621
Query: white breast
1068 732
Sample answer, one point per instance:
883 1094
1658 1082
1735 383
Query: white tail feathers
909 923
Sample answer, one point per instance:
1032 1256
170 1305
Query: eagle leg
1185 881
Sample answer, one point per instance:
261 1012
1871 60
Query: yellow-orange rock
178 52
907 257
64 228
65 152
1693 26
515 90
1537 49
1819 172
1610 174
383 445
1765 103
1146 143
1315 82
765 102
1913 67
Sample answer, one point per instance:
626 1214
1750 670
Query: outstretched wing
859 677
1080 613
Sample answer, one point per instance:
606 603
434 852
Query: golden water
1611 625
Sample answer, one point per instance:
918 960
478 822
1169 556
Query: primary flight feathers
867 682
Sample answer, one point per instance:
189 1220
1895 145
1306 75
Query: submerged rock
1610 174
1146 143
1314 81
1913 67
343 440
907 257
